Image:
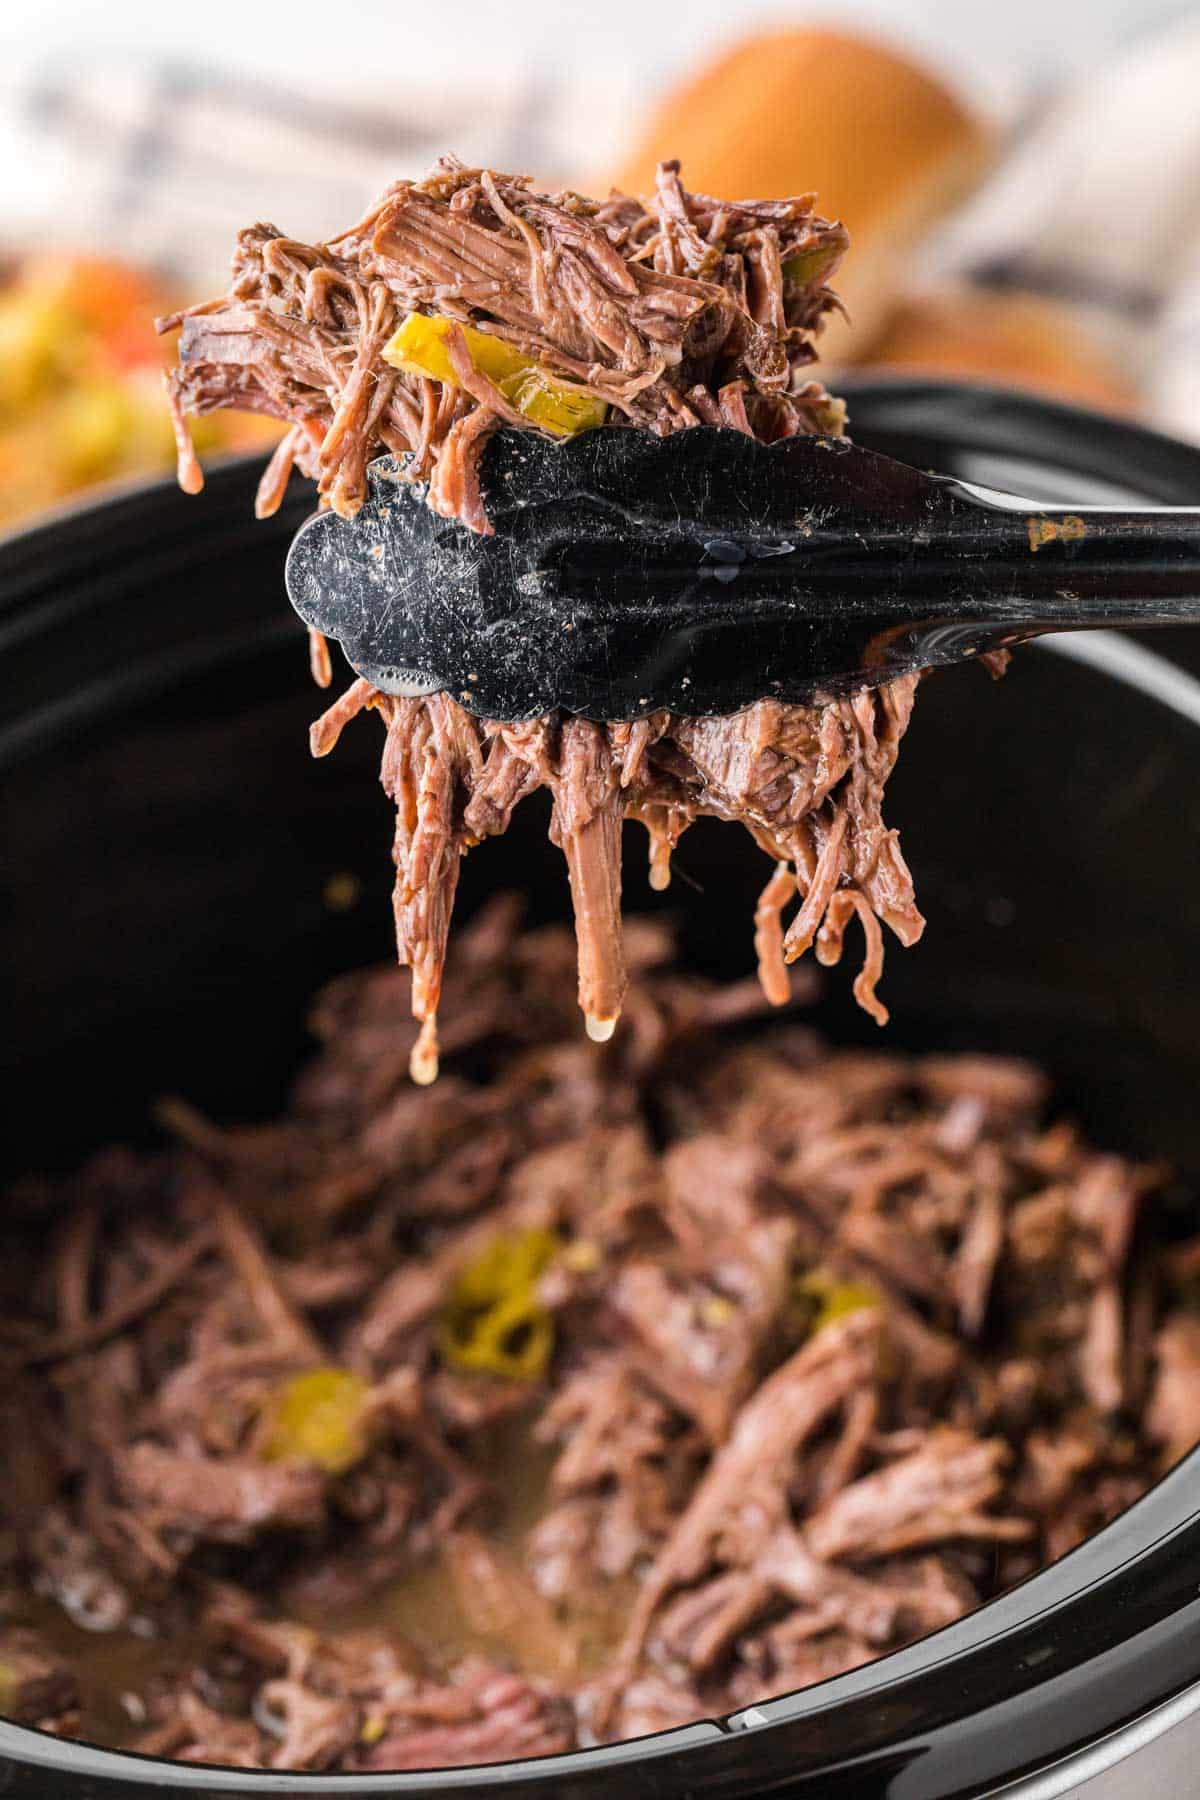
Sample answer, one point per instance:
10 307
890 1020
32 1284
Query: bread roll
1010 340
884 145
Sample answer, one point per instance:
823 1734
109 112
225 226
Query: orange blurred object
891 151
886 147
105 296
1015 340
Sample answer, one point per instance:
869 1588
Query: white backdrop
993 45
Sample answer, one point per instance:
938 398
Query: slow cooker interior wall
164 922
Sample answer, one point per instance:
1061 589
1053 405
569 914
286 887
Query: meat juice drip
426 1605
114 1670
423 1064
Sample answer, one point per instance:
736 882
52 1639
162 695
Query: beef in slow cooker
600 1388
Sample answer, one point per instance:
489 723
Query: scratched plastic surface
705 570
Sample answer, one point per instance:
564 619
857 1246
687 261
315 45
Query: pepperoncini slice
318 1417
808 267
831 1299
419 348
493 1321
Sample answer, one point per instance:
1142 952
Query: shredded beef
821 1371
36 1686
678 311
675 312
807 783
205 1496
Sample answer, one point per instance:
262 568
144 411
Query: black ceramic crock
165 853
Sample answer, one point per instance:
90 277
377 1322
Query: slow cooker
167 850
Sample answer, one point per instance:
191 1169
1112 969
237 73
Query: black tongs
704 570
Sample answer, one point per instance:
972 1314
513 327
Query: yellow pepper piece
494 1321
832 1299
511 1260
552 404
318 1417
9 1683
514 1338
419 348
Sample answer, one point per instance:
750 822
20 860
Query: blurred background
1021 181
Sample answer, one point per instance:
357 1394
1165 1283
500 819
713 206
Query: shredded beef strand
455 779
89 1333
